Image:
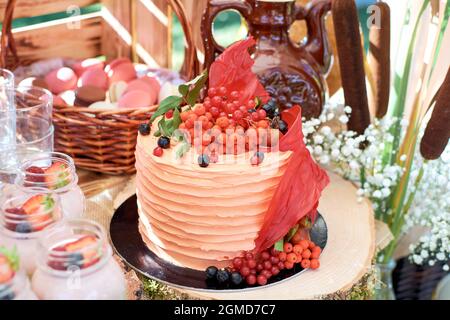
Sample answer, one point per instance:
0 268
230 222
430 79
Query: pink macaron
80 67
94 77
153 82
61 80
136 99
142 85
121 69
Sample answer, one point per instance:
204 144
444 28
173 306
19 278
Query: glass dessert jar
75 263
53 172
18 288
14 284
23 220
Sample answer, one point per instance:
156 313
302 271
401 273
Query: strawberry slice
38 203
80 243
39 209
6 272
90 257
57 175
9 264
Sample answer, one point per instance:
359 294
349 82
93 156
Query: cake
191 216
218 179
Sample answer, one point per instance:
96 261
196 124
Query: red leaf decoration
233 70
300 188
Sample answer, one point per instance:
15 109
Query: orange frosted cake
225 183
196 217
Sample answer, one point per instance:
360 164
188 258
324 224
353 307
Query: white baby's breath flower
343 119
417 259
354 165
326 130
440 256
318 150
324 159
318 139
377 194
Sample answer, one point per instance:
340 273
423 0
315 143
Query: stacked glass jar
53 172
75 262
24 220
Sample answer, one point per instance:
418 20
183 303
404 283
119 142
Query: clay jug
292 73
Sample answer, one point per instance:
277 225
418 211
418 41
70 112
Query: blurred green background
228 27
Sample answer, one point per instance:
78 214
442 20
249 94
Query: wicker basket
99 140
413 282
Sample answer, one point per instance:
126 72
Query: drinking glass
7 122
33 129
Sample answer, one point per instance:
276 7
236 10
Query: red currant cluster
225 125
259 269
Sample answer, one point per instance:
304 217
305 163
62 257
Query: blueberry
260 156
144 129
253 110
24 227
203 160
236 278
211 272
75 259
272 102
269 110
7 294
222 276
164 142
283 127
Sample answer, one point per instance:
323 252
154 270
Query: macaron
103 105
145 84
121 69
67 96
116 90
168 89
136 99
94 77
58 101
82 66
34 82
61 80
153 82
87 95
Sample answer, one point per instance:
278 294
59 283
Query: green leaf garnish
169 103
258 102
190 93
191 90
12 256
292 232
176 119
49 203
279 245
193 94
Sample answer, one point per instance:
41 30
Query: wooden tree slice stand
344 261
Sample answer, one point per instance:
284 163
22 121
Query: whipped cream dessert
14 284
75 263
53 172
23 220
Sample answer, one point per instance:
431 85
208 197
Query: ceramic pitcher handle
212 48
317 43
